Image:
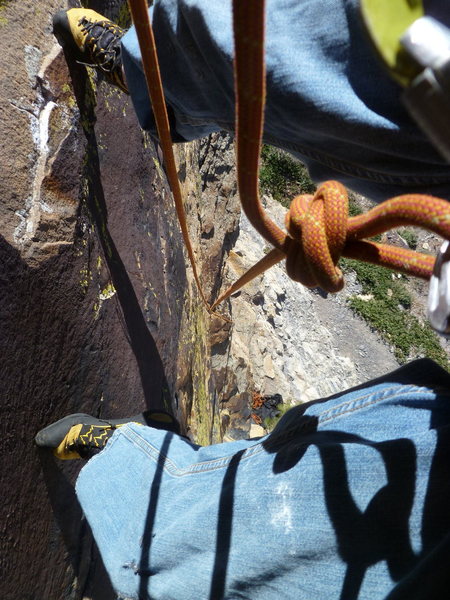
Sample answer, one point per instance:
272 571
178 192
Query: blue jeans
348 498
329 100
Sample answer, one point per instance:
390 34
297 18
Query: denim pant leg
348 498
329 100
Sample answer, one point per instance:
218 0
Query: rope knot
317 227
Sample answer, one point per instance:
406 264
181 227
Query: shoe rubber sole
62 32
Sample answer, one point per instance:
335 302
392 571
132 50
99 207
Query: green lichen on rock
105 293
124 16
87 111
85 278
202 417
158 168
194 371
3 19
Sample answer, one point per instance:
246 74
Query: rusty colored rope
250 93
319 230
312 261
139 13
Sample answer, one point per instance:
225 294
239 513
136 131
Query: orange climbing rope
144 31
319 230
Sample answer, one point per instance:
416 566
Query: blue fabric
329 100
348 498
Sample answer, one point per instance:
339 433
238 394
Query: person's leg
347 498
329 100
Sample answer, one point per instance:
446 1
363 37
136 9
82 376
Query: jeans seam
201 467
337 411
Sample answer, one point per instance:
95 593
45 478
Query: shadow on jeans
144 569
224 526
365 537
381 531
224 529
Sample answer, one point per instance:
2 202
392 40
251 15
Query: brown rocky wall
98 311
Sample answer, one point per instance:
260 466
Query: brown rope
319 229
311 260
144 31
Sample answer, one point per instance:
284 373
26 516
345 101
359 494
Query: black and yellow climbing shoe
93 39
82 436
83 441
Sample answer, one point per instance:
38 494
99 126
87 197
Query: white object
439 293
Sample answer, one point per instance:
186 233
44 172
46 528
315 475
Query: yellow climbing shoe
83 441
93 39
81 436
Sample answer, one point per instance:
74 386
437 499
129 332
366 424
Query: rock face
288 340
212 206
98 312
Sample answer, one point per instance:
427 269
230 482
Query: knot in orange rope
317 227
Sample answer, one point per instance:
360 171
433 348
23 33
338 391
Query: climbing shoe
93 40
83 441
82 436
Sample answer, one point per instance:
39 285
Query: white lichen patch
39 118
105 294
